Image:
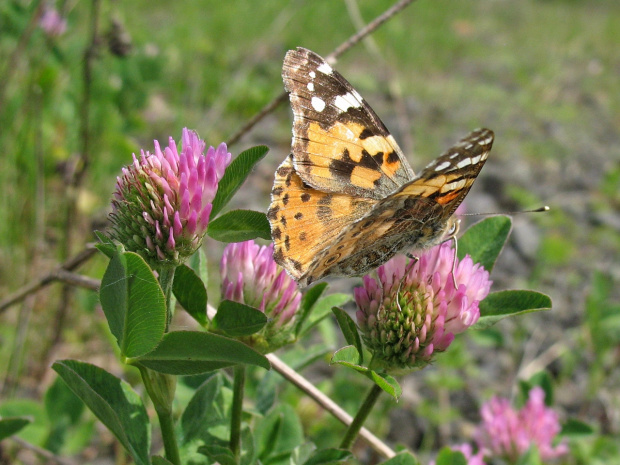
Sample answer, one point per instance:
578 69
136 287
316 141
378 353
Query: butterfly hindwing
303 220
448 178
339 143
414 218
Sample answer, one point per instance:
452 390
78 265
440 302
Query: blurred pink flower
472 459
467 451
414 310
163 201
507 433
52 22
250 276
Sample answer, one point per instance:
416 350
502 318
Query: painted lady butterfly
346 200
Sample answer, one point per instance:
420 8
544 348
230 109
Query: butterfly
345 200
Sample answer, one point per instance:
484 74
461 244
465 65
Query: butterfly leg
408 268
456 244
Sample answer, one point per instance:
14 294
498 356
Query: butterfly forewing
339 143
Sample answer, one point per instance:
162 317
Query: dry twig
58 274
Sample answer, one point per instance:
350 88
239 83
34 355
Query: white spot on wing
312 74
346 101
325 68
476 159
443 166
465 162
311 86
318 104
453 186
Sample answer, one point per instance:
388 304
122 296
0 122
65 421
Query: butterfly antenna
536 210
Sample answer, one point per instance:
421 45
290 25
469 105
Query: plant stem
360 418
166 423
166 278
237 410
160 388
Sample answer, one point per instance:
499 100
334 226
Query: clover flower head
163 200
412 310
250 276
508 433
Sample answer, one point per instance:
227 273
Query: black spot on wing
272 213
284 171
365 134
343 167
332 259
324 213
297 265
392 157
327 200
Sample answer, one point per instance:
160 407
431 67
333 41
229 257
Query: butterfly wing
304 221
415 218
339 144
448 178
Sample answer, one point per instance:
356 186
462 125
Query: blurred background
82 90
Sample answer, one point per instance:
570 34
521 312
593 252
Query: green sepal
349 357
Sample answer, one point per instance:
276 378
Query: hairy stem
360 418
237 410
161 388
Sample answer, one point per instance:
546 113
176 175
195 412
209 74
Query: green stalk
166 423
160 388
237 410
360 418
166 278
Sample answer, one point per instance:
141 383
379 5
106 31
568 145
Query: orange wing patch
338 160
304 220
